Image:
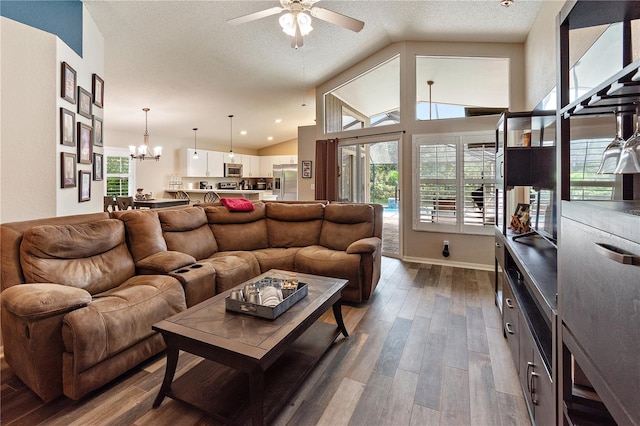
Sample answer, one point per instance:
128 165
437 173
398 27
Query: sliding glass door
369 173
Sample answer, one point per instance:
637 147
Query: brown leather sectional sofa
91 286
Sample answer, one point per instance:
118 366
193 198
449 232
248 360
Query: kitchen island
198 194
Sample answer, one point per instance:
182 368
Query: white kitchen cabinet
266 166
287 159
208 163
250 166
216 163
195 167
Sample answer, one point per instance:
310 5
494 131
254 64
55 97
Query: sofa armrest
365 245
32 317
164 262
42 300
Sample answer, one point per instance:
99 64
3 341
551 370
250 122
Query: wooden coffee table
252 365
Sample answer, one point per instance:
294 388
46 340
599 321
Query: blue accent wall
60 17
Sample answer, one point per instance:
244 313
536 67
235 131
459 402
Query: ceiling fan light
288 24
304 22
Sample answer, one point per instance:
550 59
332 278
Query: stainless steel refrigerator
285 181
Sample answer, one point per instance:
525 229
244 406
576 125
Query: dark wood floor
427 349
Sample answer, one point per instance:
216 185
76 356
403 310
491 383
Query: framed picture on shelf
97 166
67 127
306 169
84 102
84 188
68 86
98 90
85 143
67 170
521 220
97 131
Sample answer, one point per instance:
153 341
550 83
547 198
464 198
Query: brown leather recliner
81 317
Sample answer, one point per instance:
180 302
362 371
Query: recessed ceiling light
243 132
270 138
278 120
506 3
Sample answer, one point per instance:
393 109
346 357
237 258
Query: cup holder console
195 266
181 271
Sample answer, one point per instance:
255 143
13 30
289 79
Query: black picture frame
68 83
67 127
306 169
98 167
84 103
97 87
84 186
67 170
97 131
85 143
521 220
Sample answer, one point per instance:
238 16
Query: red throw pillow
237 204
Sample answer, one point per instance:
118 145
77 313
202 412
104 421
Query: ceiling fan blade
254 16
337 18
297 41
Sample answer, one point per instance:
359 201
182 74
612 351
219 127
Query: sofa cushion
91 256
144 234
186 230
345 223
320 260
233 268
119 318
238 230
294 225
276 258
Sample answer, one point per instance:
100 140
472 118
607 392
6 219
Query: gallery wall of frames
81 132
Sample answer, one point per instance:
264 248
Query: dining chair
211 197
182 195
110 201
124 203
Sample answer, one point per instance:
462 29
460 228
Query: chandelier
143 152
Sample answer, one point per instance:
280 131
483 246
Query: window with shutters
454 183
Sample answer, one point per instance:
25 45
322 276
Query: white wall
28 127
91 62
306 151
30 130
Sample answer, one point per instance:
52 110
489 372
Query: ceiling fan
296 18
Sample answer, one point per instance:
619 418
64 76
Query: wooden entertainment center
571 314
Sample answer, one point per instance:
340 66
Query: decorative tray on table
291 296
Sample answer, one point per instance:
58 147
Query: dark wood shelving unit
526 269
596 288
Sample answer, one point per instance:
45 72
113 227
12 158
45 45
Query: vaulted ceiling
181 59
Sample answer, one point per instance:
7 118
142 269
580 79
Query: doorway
369 173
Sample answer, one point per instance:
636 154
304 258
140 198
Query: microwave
232 170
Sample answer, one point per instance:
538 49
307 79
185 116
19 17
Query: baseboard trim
441 262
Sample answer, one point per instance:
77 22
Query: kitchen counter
198 194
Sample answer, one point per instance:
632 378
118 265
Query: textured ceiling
183 61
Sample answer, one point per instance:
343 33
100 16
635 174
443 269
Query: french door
369 173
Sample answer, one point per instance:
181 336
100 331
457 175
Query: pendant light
143 152
231 137
195 144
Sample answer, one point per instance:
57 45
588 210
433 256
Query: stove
227 185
